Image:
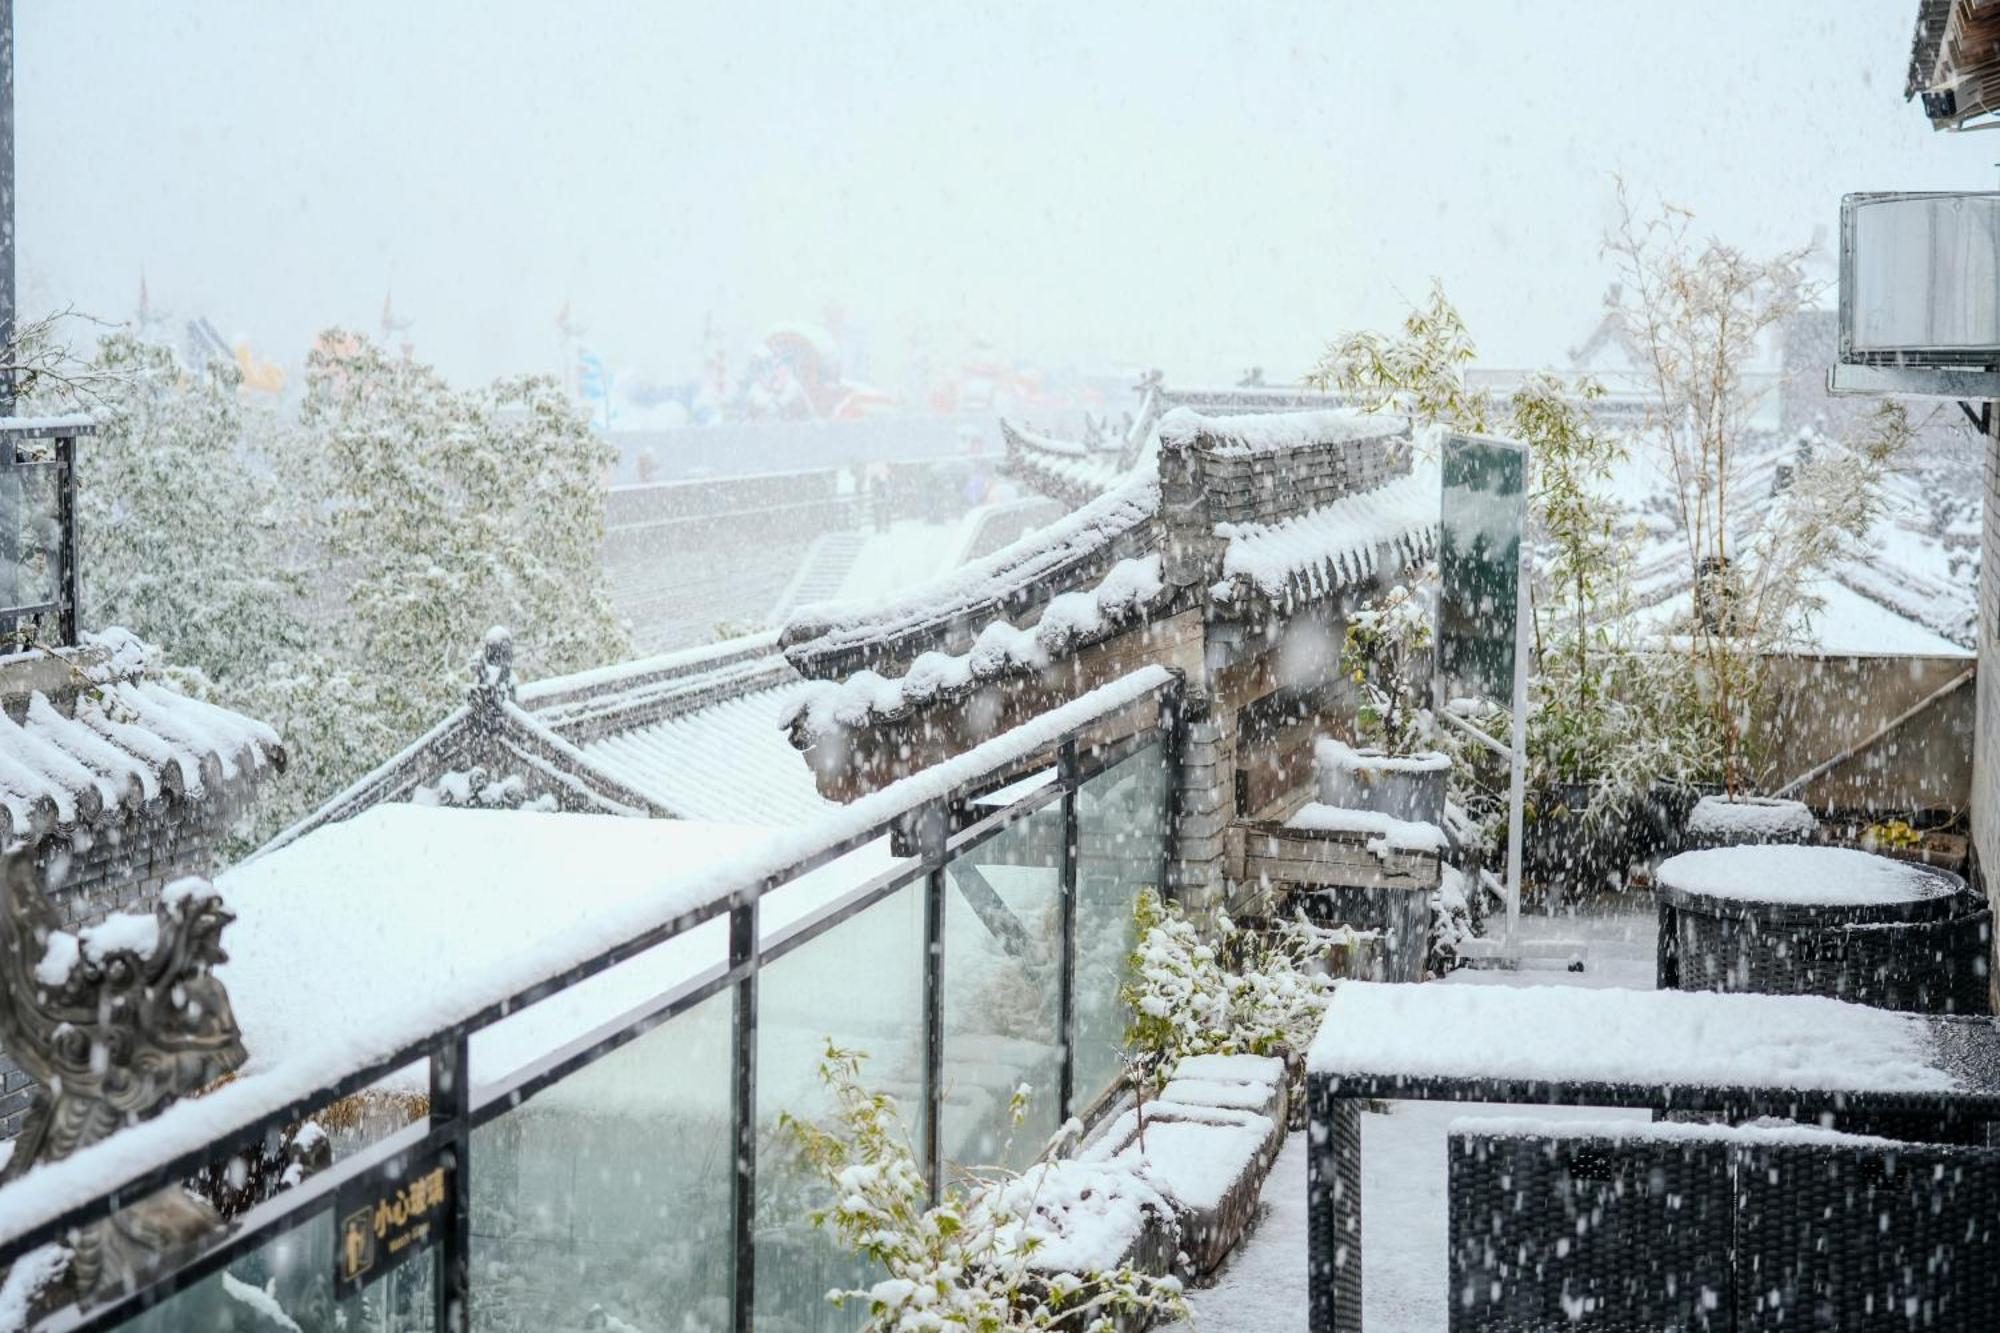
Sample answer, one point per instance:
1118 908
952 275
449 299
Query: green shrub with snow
974 1260
1224 991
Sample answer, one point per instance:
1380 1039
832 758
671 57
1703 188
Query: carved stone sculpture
119 1031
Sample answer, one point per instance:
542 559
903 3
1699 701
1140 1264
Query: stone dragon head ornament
115 1022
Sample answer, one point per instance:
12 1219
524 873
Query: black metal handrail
936 829
40 583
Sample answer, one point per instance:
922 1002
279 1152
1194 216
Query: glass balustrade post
743 954
1066 774
451 1107
934 833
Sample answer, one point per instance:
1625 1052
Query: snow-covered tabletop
1427 1040
1795 876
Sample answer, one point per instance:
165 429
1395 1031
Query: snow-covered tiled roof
1064 469
687 735
726 760
1334 547
1127 596
616 699
116 741
948 612
1919 573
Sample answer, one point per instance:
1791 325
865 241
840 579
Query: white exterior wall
1986 739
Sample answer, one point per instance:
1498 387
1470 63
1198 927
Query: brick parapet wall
1203 811
119 866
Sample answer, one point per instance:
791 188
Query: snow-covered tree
449 511
180 524
334 575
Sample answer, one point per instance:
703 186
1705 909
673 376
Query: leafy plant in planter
1386 652
1609 719
1224 990
967 1261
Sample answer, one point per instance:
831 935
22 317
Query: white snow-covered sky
1200 187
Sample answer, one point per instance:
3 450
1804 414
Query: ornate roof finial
493 671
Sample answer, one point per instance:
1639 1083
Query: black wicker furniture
1555 1228
1702 1228
1789 920
1798 1058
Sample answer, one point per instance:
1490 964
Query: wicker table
1798 1057
1791 920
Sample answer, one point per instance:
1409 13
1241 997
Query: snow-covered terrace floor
1263 1287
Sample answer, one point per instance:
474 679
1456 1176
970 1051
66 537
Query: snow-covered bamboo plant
1697 312
1223 991
970 1261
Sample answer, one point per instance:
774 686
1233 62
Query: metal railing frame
942 831
62 609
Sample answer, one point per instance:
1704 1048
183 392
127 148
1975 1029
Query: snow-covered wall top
1271 432
1070 622
948 612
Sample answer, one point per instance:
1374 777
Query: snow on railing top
428 1003
1669 1038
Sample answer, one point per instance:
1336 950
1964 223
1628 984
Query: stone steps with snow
821 574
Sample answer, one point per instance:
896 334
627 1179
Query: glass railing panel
1121 819
606 1197
550 1027
860 986
288 1284
811 895
1003 993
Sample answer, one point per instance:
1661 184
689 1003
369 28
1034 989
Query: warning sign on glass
384 1218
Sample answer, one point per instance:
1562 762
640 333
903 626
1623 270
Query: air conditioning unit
1920 280
1955 61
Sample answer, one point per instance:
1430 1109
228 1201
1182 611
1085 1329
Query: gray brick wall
121 865
1203 813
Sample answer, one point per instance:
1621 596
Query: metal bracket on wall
1982 419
